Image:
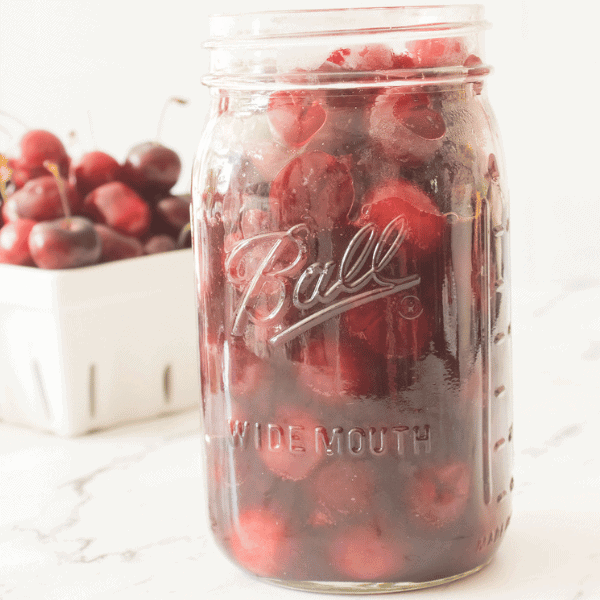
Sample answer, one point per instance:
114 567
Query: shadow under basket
89 348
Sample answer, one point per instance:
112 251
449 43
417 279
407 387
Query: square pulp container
89 348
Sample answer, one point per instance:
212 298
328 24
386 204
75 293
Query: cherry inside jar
350 227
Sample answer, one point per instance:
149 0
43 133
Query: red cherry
14 242
92 170
424 222
289 450
39 199
35 147
120 207
365 553
405 129
344 487
415 115
335 372
384 325
437 52
439 495
173 214
473 63
152 169
184 238
295 116
258 541
159 243
314 185
373 57
65 243
117 246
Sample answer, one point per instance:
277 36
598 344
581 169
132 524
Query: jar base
370 587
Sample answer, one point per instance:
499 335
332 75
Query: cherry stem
183 234
53 168
163 112
5 173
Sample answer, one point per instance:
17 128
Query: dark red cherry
335 373
295 116
372 57
424 223
151 168
117 246
314 185
65 243
173 213
396 326
437 52
160 243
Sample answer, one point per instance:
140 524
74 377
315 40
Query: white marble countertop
120 514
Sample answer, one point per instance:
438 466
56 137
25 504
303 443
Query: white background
119 60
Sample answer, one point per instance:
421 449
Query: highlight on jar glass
350 226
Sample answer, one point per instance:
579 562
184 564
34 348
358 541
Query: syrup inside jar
350 227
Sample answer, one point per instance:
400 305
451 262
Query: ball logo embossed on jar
284 254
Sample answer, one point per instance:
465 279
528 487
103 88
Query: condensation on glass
350 226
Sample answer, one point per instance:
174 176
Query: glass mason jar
350 227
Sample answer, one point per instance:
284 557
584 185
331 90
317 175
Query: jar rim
283 49
258 27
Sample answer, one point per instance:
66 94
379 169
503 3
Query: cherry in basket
438 52
117 246
67 242
152 168
35 147
40 199
92 170
120 207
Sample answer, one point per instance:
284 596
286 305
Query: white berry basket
89 348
